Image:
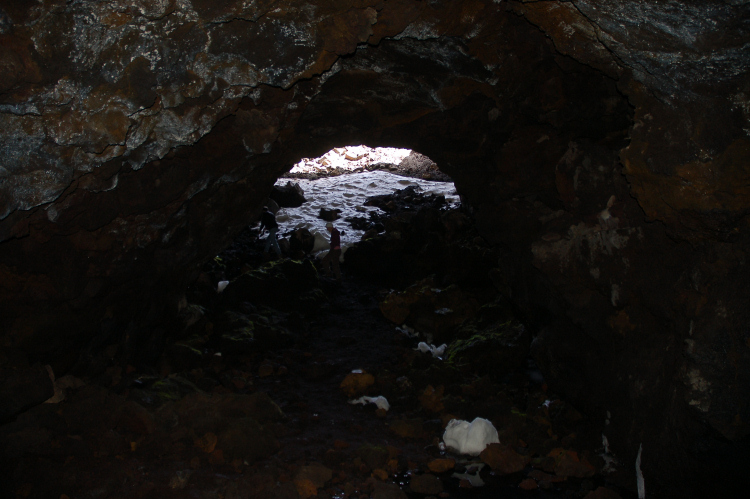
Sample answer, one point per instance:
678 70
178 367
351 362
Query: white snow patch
609 459
639 475
348 193
380 401
474 479
435 351
321 241
470 438
351 158
411 333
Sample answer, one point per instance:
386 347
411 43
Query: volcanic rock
290 195
601 148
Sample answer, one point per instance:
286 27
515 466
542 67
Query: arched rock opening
603 148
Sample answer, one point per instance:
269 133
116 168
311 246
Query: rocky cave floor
250 398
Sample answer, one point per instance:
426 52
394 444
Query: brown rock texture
603 146
356 383
22 388
503 459
569 464
426 484
432 399
602 493
441 465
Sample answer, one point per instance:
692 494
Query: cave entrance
414 335
335 187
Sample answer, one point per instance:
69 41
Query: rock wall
603 145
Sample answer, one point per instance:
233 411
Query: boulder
503 459
387 491
328 214
426 484
301 241
246 439
290 195
21 389
316 473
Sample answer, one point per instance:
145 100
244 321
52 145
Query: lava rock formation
602 147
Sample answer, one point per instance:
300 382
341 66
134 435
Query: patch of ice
470 438
474 479
435 351
639 475
380 401
411 333
321 242
349 193
609 459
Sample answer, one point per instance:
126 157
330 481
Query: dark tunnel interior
590 289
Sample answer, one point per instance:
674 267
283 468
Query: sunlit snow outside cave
349 192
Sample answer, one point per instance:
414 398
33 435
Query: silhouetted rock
21 389
288 196
329 214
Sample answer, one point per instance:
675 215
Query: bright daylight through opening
341 180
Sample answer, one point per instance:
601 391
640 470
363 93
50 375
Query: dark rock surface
289 195
276 418
601 148
329 214
23 388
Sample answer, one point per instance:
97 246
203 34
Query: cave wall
602 145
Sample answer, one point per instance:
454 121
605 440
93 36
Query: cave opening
369 194
342 186
416 328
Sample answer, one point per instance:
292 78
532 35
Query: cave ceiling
89 83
